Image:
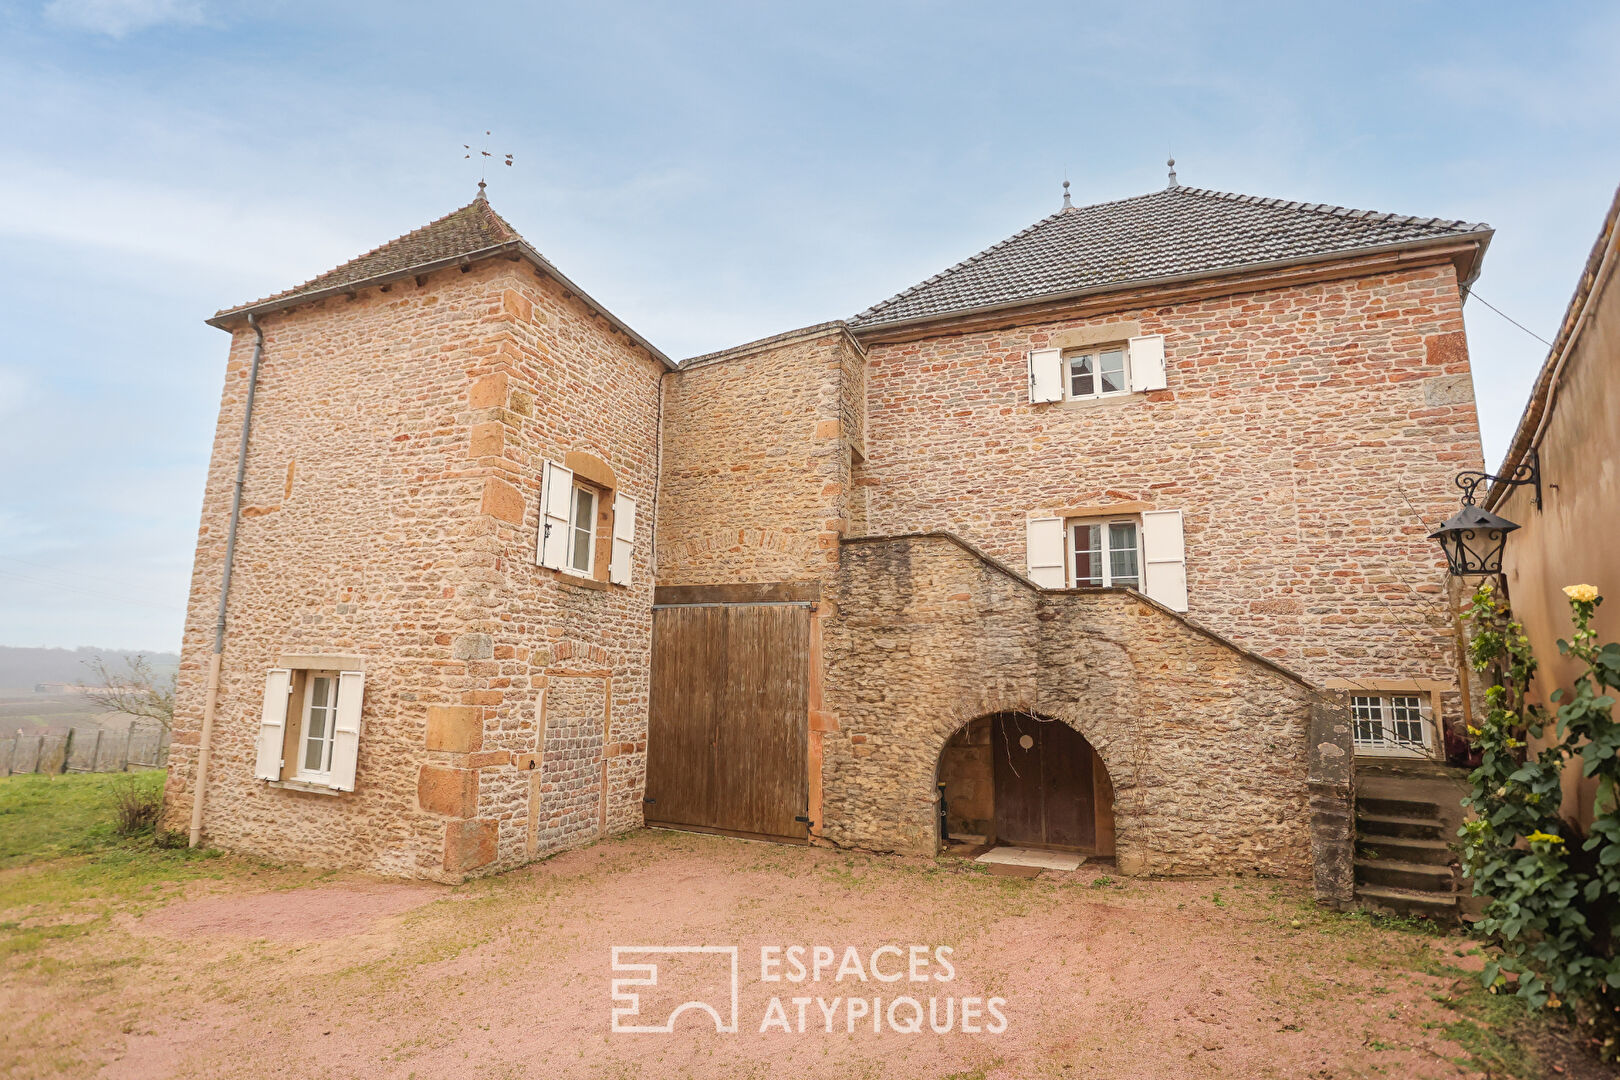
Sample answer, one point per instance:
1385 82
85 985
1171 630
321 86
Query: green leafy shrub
1553 891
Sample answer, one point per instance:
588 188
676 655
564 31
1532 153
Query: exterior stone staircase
1407 816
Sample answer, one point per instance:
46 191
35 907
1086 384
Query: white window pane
584 520
1081 382
1088 564
323 688
1122 563
1111 365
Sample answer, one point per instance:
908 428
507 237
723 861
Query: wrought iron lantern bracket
1527 472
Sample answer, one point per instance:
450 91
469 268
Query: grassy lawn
120 957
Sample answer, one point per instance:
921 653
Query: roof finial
1173 182
1067 205
480 189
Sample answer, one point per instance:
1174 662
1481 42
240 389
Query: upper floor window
1105 553
582 531
1097 372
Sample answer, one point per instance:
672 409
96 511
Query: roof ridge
1334 210
491 218
1025 231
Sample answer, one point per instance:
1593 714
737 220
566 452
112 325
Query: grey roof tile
1175 232
474 227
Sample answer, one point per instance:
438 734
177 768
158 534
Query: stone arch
968 776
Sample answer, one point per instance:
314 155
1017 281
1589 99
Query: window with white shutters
1146 356
1164 558
1043 538
309 729
624 539
1045 375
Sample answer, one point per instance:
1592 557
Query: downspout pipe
205 741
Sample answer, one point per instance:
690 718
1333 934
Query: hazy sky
712 172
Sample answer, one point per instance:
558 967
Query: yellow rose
1550 838
1584 593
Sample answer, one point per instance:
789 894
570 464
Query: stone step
1370 823
1408 901
1397 874
1413 808
1404 849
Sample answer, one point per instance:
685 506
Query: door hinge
805 819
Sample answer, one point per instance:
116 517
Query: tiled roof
474 227
1176 232
475 230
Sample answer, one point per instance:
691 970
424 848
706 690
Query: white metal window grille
1391 724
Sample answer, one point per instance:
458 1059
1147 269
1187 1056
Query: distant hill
22 669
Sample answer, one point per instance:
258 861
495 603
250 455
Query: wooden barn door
1050 789
727 726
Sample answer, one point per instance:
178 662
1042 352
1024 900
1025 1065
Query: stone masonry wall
1205 745
1309 434
388 515
565 682
757 461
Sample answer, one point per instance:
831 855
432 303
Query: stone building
1111 538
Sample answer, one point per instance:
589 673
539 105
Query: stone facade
1308 432
1309 435
390 517
759 445
1205 745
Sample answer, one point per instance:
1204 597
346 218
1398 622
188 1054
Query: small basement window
1105 553
1392 724
1097 372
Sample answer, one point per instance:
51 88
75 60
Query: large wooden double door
728 719
1051 790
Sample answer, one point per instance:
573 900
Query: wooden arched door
1052 791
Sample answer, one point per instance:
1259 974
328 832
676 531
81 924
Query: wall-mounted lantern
1473 537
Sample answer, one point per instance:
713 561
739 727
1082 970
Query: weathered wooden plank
727 740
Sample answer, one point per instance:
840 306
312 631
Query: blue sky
712 172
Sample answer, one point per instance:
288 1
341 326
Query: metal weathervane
481 155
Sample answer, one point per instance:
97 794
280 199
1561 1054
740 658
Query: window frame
301 774
1072 525
1095 352
592 532
1387 718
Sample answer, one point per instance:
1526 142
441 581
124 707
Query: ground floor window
318 729
1105 553
1393 722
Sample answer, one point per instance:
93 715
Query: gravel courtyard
248 971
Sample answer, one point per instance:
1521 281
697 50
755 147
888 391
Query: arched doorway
1028 781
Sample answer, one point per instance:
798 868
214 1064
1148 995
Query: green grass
43 817
63 867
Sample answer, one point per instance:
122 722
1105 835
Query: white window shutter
1164 557
556 492
1147 362
346 729
273 724
624 539
1043 552
1045 375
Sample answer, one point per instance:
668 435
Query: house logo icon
715 967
